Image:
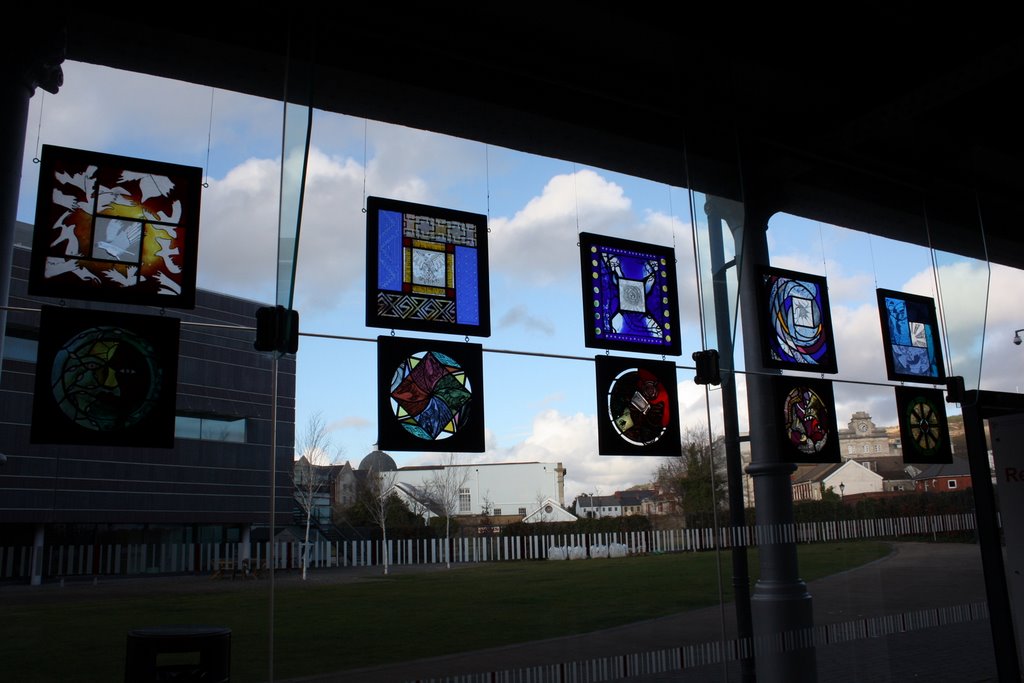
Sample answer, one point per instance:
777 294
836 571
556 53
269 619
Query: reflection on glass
963 297
298 123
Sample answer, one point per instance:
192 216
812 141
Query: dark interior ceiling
865 117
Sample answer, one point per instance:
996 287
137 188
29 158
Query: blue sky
537 409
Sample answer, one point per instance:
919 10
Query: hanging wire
365 127
576 198
937 289
871 250
988 282
694 238
487 181
39 127
821 240
209 139
672 217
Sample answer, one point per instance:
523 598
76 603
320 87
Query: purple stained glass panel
630 299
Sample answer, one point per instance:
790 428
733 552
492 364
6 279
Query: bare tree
311 473
445 488
692 479
379 491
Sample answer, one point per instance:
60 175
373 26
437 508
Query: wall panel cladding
197 481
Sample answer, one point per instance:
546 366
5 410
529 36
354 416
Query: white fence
139 559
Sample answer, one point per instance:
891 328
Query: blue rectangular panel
467 298
389 251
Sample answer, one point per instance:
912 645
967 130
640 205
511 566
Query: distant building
211 487
498 489
509 491
619 504
549 511
867 443
849 478
944 478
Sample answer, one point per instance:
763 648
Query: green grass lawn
322 628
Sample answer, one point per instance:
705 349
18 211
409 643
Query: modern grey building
211 487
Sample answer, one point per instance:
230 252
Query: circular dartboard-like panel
431 395
923 419
106 379
638 406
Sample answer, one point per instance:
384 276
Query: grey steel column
781 605
30 64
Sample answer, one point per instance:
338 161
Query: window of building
951 483
497 511
464 500
522 511
20 348
210 428
851 449
878 448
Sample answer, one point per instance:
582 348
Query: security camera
1016 339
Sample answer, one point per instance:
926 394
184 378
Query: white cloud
351 422
238 247
539 243
519 316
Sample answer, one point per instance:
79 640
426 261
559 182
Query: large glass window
210 428
656 538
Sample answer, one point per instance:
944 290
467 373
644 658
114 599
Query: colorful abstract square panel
105 378
805 410
426 269
796 325
430 395
924 433
630 298
910 333
637 407
111 228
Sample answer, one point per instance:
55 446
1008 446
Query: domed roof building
378 461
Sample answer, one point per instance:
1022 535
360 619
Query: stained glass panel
630 298
112 228
796 325
807 420
637 407
426 268
430 395
105 379
924 433
910 332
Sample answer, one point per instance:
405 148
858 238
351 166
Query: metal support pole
1000 616
34 61
780 606
271 548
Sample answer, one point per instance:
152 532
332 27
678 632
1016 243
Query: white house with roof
845 479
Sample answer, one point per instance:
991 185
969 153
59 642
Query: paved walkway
915 576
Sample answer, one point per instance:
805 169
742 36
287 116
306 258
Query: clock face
862 427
